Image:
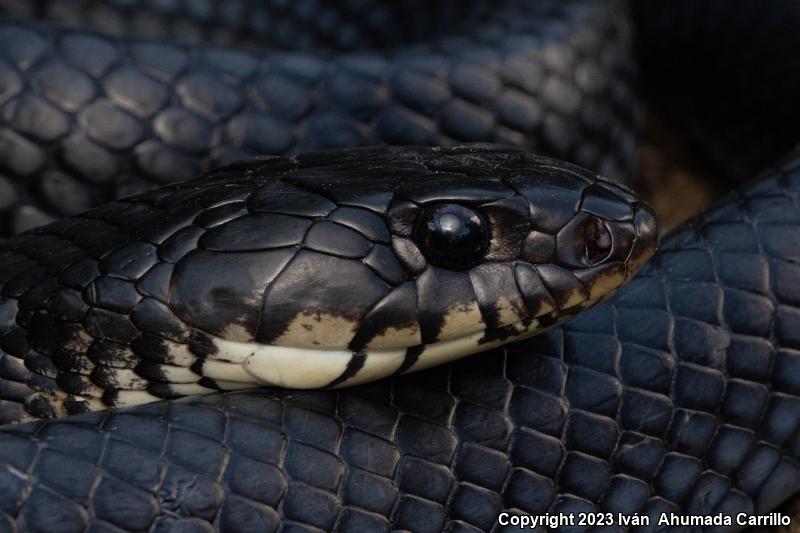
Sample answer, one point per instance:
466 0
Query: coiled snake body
678 395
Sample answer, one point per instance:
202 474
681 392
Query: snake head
353 265
503 249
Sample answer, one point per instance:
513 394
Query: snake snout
630 222
608 238
648 235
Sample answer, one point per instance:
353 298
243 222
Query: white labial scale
179 354
274 365
378 364
446 351
297 368
57 398
234 385
189 389
460 320
228 351
508 313
134 397
96 404
240 364
126 379
223 371
178 374
304 368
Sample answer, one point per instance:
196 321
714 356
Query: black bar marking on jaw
412 356
501 333
39 406
355 364
208 383
110 397
197 366
164 390
201 345
75 406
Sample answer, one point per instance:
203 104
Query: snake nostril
597 240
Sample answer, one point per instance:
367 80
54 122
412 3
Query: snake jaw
235 365
302 368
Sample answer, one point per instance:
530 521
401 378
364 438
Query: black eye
598 241
451 235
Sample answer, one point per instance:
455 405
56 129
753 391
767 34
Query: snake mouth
238 364
235 365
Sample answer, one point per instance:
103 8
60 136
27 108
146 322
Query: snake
322 270
671 391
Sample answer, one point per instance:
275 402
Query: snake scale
681 394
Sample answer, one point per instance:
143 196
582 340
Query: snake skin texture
654 402
86 118
720 70
202 286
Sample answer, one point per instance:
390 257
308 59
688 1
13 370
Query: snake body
679 395
89 118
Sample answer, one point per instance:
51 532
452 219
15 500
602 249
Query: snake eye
598 241
451 235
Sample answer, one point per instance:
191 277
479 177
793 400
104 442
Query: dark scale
409 255
180 243
399 308
342 287
129 262
203 299
330 238
155 282
111 354
365 222
437 291
113 294
201 345
152 316
491 282
109 325
247 233
383 261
